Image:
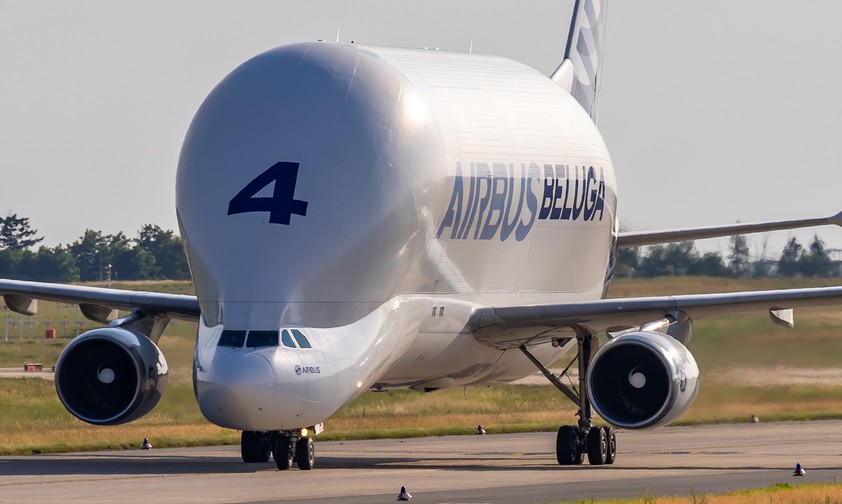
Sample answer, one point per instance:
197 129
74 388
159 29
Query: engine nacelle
642 379
110 376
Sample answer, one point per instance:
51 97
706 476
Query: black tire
597 446
566 446
611 436
283 453
251 448
305 453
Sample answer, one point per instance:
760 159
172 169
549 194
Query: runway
491 468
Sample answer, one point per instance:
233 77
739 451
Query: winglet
835 219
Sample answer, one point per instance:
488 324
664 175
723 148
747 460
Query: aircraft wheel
579 459
566 446
251 448
305 453
611 436
283 452
597 446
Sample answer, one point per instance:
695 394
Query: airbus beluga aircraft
368 218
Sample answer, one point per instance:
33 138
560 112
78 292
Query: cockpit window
258 339
286 339
232 338
300 339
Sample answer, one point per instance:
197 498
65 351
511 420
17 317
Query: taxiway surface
491 468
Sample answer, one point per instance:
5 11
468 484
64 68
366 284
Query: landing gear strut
286 447
573 442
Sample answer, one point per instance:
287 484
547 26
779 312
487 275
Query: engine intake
110 376
642 379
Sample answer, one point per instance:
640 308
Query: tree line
154 253
683 258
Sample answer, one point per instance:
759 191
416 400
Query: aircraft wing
628 239
97 302
513 326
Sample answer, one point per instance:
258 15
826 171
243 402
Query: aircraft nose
238 392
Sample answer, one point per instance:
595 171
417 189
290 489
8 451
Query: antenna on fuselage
471 46
337 35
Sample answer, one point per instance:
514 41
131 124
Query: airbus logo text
500 200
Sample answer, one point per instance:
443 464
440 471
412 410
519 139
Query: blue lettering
600 197
281 205
454 209
463 230
509 225
565 212
531 202
549 192
486 198
579 197
590 203
498 201
501 202
556 213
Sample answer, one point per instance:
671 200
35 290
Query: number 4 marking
281 205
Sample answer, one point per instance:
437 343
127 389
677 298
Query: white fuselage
407 188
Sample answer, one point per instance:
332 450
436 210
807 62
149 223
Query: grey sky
713 111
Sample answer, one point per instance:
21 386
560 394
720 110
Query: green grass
811 493
750 339
746 339
34 420
166 286
18 344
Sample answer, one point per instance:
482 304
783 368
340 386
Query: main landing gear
573 442
286 447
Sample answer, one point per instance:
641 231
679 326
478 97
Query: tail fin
579 72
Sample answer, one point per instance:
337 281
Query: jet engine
110 376
642 379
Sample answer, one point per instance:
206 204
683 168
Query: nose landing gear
286 447
253 448
283 452
305 453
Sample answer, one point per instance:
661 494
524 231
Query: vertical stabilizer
579 72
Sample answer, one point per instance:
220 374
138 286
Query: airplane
364 218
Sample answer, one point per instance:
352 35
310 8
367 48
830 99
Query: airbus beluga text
368 218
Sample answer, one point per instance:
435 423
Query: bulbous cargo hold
642 379
303 161
312 157
110 376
